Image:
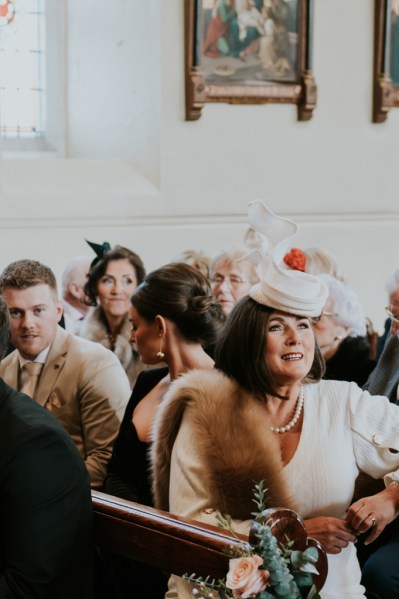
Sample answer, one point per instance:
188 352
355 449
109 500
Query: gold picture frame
249 52
386 59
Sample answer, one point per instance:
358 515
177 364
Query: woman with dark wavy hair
263 414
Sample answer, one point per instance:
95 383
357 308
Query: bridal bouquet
268 570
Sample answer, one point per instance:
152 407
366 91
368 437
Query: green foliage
290 571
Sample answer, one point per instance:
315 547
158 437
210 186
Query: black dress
352 362
128 473
128 478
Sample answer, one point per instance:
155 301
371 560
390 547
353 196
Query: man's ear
59 310
75 290
161 324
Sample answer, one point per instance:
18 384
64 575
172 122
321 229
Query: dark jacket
352 362
46 544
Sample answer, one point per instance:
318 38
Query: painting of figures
249 40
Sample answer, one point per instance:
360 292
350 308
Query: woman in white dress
264 414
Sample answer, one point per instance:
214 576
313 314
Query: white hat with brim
290 291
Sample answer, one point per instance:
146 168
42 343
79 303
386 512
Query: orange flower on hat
296 259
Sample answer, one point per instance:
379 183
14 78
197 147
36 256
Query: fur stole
93 327
234 441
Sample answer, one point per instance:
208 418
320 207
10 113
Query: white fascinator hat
280 288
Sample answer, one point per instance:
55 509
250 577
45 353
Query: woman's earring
160 354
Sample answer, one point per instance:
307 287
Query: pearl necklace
295 418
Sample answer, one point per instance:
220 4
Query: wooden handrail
180 545
172 543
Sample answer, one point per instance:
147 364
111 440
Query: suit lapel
12 371
53 366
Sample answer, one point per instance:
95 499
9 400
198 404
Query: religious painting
394 51
386 58
248 51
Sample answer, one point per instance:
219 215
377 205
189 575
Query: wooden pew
171 543
176 544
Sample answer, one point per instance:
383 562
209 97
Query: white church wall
138 174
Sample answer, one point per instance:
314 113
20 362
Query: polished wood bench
180 545
171 543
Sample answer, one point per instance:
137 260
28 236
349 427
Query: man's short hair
23 274
4 328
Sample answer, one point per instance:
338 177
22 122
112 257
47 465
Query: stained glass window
22 68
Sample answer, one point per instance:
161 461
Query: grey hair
232 253
319 261
195 258
393 282
346 305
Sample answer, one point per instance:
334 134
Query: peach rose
244 577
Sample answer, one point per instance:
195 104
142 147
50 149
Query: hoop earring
160 354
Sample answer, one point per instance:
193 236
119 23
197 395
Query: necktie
33 369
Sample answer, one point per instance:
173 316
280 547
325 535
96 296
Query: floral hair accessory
291 291
296 259
99 250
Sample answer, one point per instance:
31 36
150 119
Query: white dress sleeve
375 427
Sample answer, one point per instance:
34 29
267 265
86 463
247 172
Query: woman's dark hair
183 295
99 267
241 349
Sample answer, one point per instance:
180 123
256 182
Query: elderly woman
341 334
113 278
264 414
231 276
173 314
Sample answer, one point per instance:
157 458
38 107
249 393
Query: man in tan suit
81 383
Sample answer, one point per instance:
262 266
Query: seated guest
74 278
196 259
112 279
341 334
46 545
380 573
173 314
231 276
81 383
314 261
263 414
385 377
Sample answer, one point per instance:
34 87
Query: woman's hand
332 533
374 513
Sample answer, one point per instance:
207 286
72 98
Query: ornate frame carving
385 95
201 88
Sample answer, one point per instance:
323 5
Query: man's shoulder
83 348
8 361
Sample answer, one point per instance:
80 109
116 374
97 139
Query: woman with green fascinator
114 276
